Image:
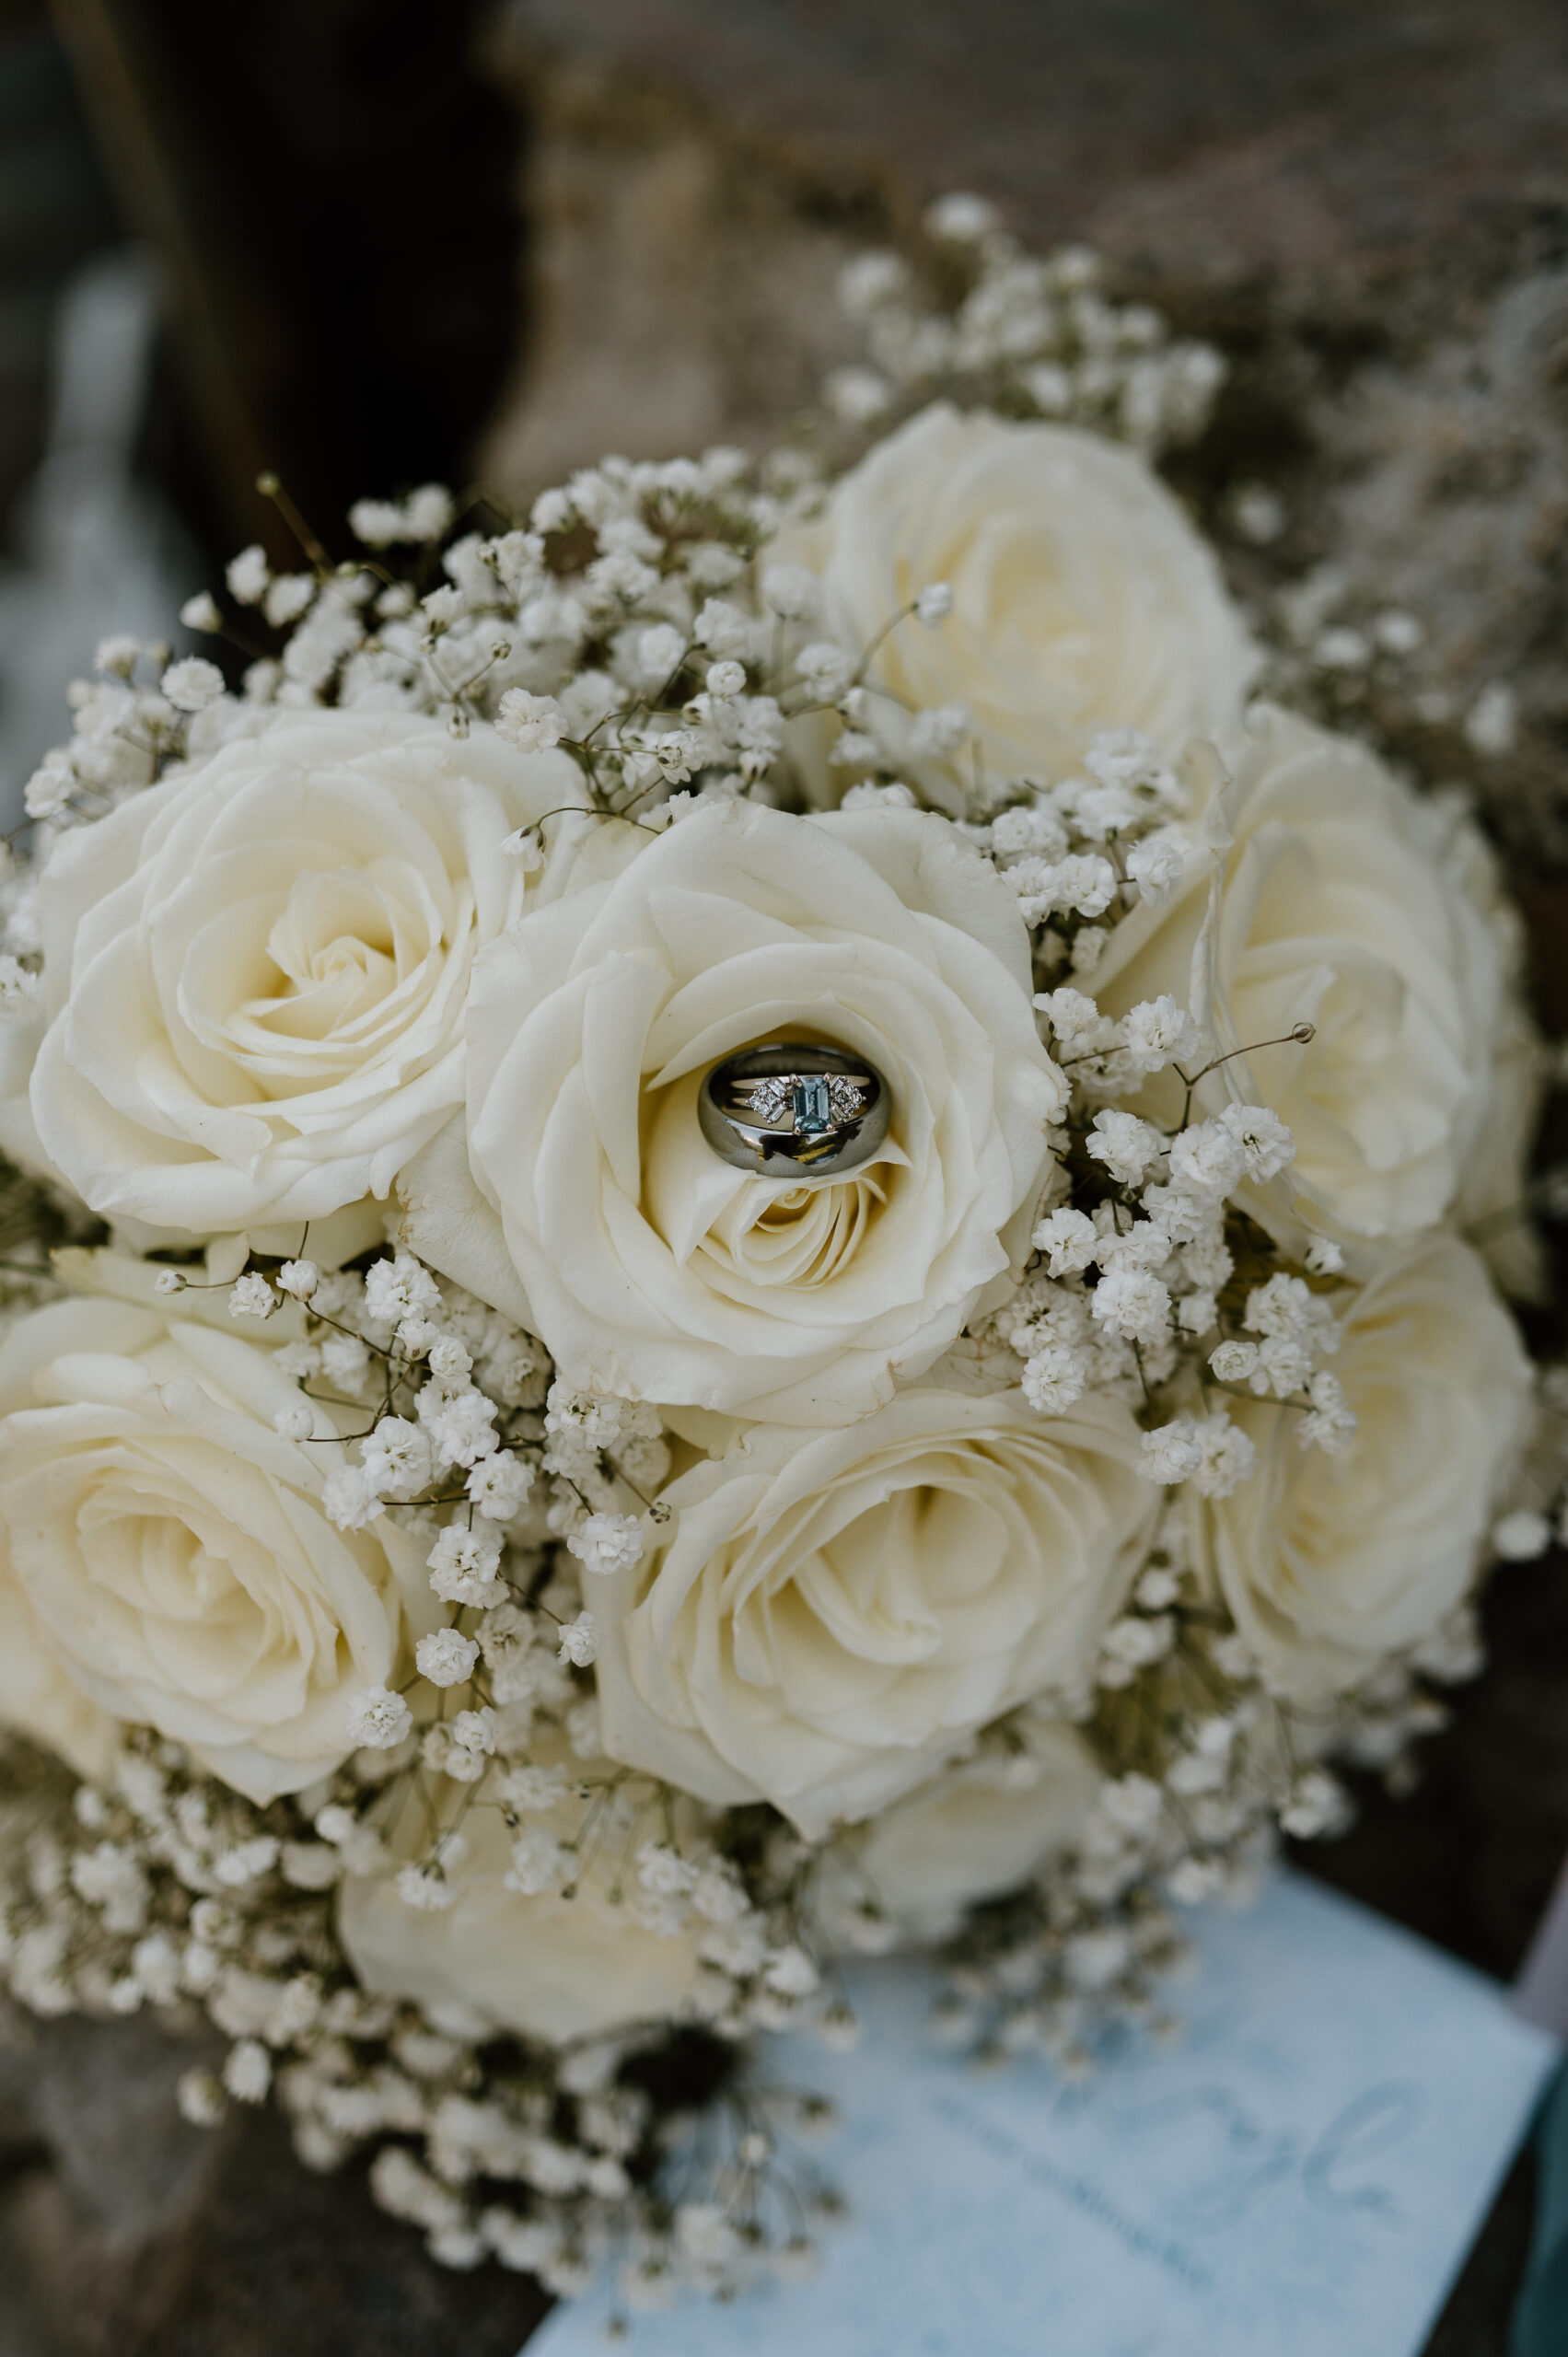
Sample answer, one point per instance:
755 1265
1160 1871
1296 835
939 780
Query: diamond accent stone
770 1098
845 1096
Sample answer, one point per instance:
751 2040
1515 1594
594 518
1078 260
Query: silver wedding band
795 1108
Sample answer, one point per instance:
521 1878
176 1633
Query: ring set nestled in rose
794 1107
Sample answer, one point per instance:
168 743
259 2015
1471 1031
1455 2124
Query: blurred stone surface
124 2233
1367 205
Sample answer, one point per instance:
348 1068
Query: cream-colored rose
543 1966
586 1203
831 1616
1329 1563
167 1553
1345 902
255 972
1083 599
976 1830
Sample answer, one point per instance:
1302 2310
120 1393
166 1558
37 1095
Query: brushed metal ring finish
795 1108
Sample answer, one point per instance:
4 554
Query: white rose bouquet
740 1227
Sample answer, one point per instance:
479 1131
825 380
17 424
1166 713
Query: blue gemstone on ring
795 1110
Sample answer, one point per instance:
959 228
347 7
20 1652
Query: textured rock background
1368 205
1366 202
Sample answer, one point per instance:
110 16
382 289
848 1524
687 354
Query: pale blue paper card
1303 2175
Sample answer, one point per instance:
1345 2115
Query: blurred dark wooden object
55 211
329 191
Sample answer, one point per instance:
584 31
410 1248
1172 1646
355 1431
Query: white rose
255 972
167 1550
1083 599
1340 898
831 1616
543 1966
978 1829
1329 1563
587 1203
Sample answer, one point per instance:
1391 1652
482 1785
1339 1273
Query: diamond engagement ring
795 1108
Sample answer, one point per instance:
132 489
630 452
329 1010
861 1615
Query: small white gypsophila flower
868 796
1027 830
1077 1022
606 1543
1324 1258
540 1862
298 1279
399 1288
191 684
476 1730
1317 1804
450 1362
1268 1145
1083 883
446 1658
1068 1239
725 680
531 1789
1521 1535
48 790
1129 1148
826 668
349 1499
1159 1032
395 1457
791 590
1207 1159
425 1888
19 987
854 750
461 1425
1156 866
664 1871
1171 1453
379 1720
345 1361
724 630
858 395
1134 1643
1144 1245
1056 1377
960 219
1234 1362
251 1296
939 731
445 1756
294 1423
1227 1457
534 724
117 655
1133 1304
248 2071
934 603
499 1485
523 846
288 597
1133 1803
1331 1425
464 1566
248 576
579 1640
201 612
